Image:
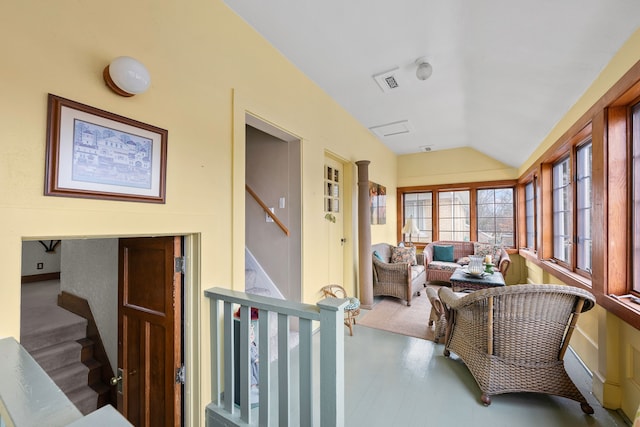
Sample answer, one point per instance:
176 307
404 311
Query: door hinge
180 264
180 375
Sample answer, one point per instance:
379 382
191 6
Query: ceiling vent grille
392 129
389 80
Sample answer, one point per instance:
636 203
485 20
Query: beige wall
208 68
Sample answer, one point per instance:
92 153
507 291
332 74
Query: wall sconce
424 70
126 76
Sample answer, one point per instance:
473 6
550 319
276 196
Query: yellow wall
208 67
451 166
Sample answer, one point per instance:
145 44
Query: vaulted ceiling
504 71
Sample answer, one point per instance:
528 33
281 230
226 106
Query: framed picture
99 155
378 203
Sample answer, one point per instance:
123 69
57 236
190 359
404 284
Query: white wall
90 271
33 253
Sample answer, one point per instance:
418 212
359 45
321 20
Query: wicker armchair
513 338
396 280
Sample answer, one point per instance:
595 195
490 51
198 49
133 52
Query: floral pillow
403 255
485 249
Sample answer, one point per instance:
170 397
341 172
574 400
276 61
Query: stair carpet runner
56 339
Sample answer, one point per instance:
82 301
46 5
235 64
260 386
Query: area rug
393 315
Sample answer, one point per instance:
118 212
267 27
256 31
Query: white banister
222 409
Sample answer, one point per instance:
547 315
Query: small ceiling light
126 76
424 70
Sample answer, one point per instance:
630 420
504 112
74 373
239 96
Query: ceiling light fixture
424 70
126 76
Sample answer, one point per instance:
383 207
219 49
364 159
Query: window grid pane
561 211
584 203
529 196
453 216
420 207
495 216
636 196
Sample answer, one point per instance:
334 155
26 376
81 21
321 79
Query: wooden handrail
267 210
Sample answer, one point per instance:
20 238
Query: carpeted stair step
57 355
85 399
55 334
70 377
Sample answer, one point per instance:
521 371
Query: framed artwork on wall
378 203
95 154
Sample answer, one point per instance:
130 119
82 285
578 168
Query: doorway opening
82 275
273 242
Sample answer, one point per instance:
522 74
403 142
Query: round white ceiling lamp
126 76
424 70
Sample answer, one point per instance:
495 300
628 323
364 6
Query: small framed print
95 154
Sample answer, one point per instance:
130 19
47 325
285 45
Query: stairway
56 339
251 287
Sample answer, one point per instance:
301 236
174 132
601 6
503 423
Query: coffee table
461 281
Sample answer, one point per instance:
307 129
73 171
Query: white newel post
332 362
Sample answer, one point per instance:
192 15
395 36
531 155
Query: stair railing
222 409
264 206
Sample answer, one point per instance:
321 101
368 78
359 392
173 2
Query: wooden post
365 264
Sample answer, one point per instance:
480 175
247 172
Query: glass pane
419 207
453 215
529 196
583 202
561 211
635 118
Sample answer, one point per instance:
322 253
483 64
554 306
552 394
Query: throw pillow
443 253
465 260
485 249
403 255
377 255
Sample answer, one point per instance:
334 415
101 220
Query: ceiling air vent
388 80
392 129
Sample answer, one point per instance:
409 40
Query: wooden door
149 331
334 188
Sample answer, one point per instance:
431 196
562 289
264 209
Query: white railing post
332 362
330 314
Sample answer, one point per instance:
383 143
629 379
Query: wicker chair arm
504 262
427 253
389 266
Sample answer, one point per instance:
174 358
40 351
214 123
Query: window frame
612 245
472 187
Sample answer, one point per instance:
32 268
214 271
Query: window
478 211
453 216
561 211
635 167
420 207
530 215
583 206
495 216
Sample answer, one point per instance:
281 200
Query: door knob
117 380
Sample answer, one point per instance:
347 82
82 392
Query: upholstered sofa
396 279
437 270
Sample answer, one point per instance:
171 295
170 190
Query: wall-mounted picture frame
378 203
95 154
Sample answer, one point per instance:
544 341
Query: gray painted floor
394 380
